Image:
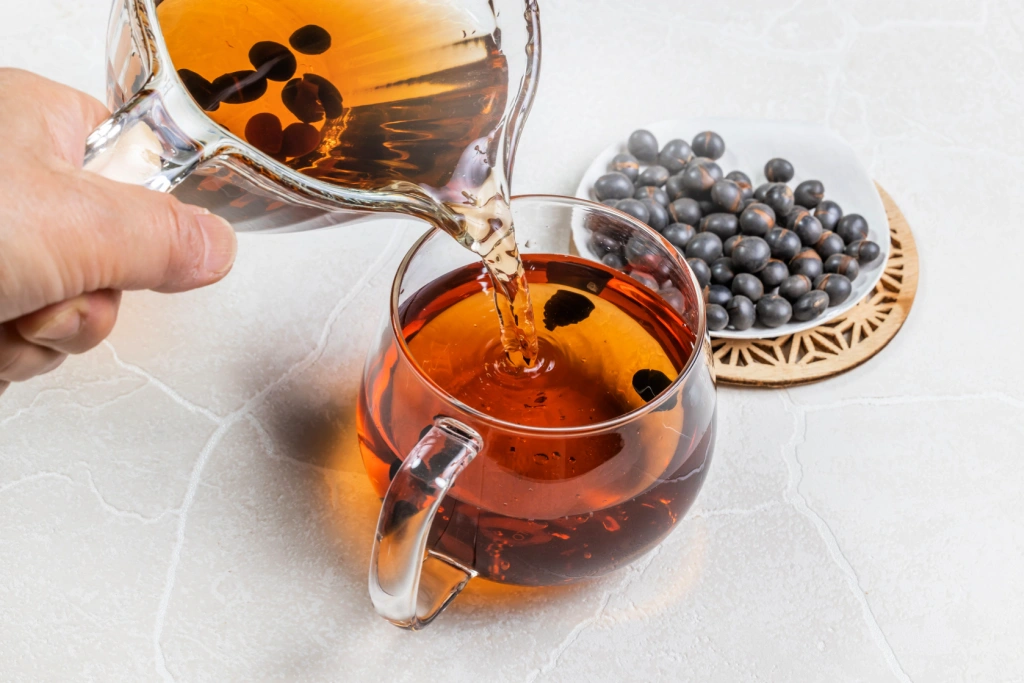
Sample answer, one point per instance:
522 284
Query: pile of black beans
764 256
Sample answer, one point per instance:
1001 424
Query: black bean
673 297
199 88
843 264
707 207
310 40
773 311
790 220
809 230
708 144
725 225
653 175
780 198
328 95
748 285
701 270
721 271
729 244
727 195
299 139
635 209
613 186
795 286
741 179
626 164
675 155
643 145
852 227
699 177
685 210
238 87
829 213
808 263
706 246
719 294
718 318
741 313
785 244
679 234
646 279
779 171
864 251
829 243
650 192
658 215
301 96
762 191
750 254
613 260
264 132
810 305
275 60
602 243
772 275
757 219
838 287
675 188
809 193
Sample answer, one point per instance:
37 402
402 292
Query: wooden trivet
838 345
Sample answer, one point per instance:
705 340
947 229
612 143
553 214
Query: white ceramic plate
816 154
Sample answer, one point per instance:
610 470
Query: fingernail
221 243
60 327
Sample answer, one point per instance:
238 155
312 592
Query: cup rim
699 338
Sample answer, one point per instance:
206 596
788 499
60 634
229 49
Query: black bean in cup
773 274
808 229
264 132
795 286
650 192
780 197
653 175
613 186
701 271
779 171
658 215
721 271
844 265
626 164
773 311
745 284
829 243
852 227
274 60
785 244
708 144
706 246
685 210
719 294
810 305
299 139
643 145
742 314
750 254
865 251
675 155
809 193
301 96
757 220
808 263
634 208
200 89
717 316
725 225
829 213
727 195
679 234
838 287
238 87
310 40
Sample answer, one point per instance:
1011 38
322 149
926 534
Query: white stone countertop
187 502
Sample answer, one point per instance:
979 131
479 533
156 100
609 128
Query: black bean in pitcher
310 40
263 131
328 94
199 88
239 87
299 139
274 59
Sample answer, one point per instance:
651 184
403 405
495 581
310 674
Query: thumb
142 239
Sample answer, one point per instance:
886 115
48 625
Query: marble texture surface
186 502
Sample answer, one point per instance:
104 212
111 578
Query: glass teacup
468 493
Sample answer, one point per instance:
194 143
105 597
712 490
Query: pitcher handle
408 585
140 144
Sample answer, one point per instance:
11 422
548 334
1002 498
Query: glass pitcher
160 137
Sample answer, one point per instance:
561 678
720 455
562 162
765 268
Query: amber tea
572 508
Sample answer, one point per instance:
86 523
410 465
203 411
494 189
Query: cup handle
141 145
410 586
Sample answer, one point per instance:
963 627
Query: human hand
72 241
